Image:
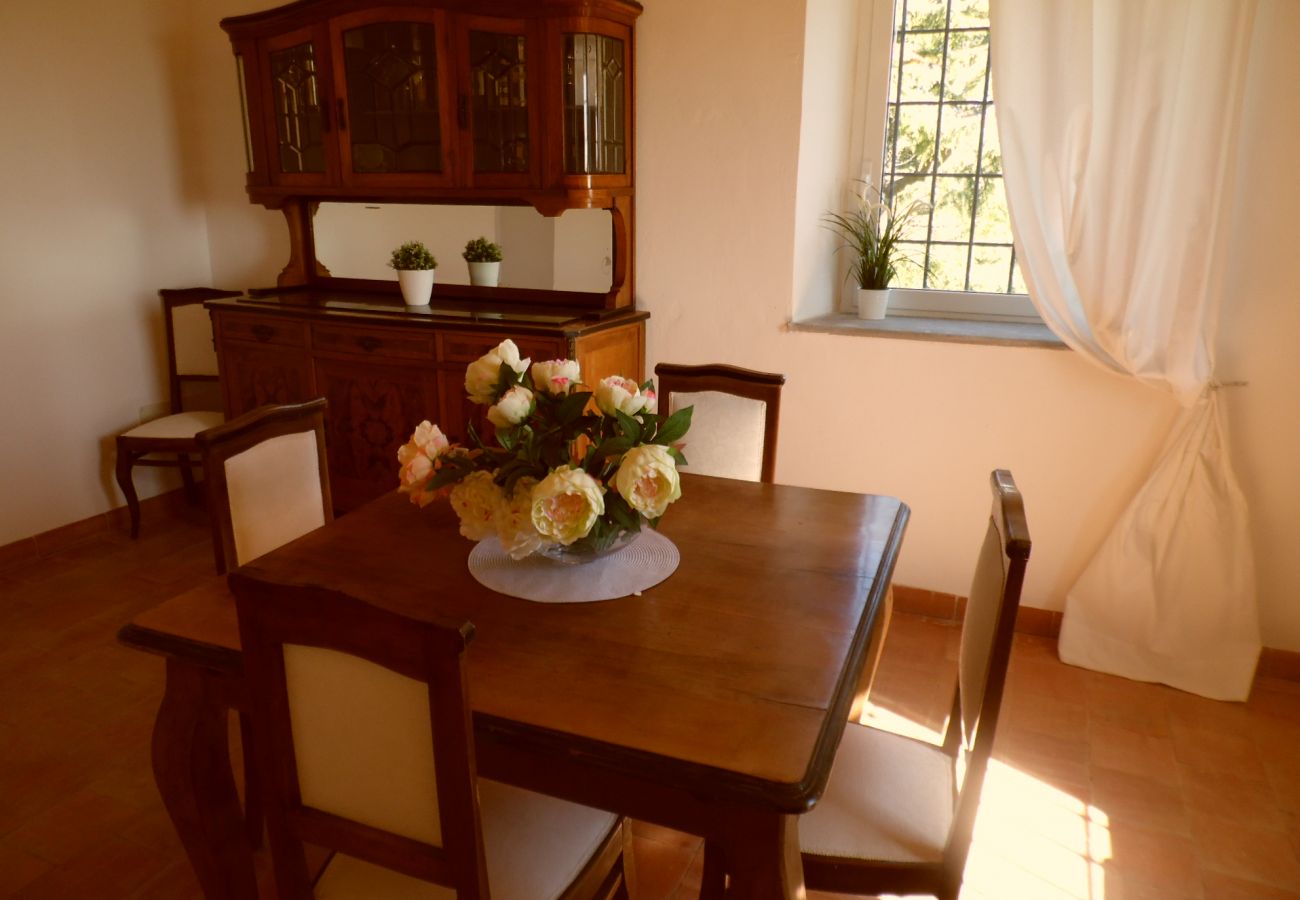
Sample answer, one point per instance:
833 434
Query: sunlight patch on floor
1035 842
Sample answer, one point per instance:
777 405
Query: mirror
569 252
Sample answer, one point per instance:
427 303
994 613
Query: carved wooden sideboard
384 368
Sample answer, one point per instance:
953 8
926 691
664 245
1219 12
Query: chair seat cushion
535 847
889 798
178 425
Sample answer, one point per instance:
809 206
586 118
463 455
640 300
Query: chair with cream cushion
191 359
367 742
897 813
734 426
267 479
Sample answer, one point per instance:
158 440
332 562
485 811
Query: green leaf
618 510
675 427
612 447
630 427
678 456
571 407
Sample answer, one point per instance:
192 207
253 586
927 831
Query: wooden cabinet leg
191 765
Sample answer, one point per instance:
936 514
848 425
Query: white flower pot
417 285
484 274
872 303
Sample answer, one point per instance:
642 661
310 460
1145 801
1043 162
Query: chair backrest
267 479
365 736
984 656
191 352
734 426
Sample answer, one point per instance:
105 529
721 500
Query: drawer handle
263 332
369 344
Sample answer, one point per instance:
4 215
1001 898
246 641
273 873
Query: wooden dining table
712 703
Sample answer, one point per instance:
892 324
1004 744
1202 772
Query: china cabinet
440 101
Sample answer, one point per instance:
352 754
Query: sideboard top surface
383 308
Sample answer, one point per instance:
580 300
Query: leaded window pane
594 74
298 118
499 98
393 116
941 147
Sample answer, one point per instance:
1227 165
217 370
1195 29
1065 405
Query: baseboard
1279 664
48 543
1046 623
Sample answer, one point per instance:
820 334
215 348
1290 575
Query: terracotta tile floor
1102 789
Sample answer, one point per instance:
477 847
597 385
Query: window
940 147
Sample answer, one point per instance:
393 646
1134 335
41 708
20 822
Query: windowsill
923 328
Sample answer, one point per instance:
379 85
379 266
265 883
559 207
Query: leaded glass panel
594 73
298 117
392 75
499 98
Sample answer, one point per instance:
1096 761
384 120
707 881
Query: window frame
871 117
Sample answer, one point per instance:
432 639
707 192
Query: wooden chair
267 483
367 740
734 426
266 478
897 813
169 441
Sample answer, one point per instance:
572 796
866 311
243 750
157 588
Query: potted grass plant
484 259
871 234
414 264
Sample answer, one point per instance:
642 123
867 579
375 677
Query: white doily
641 564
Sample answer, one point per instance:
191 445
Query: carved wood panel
372 411
252 376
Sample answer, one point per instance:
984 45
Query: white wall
927 421
96 214
1261 317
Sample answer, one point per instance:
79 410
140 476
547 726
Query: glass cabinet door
595 115
498 92
297 96
392 122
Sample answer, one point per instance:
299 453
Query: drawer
381 343
467 346
263 330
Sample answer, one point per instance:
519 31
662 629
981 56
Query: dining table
712 703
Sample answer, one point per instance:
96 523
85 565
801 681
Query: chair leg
253 821
125 462
187 476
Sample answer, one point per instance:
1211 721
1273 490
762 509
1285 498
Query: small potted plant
484 258
871 233
414 264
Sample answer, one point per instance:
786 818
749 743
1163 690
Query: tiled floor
1102 789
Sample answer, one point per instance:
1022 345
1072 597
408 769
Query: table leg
761 856
191 764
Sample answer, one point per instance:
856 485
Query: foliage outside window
941 148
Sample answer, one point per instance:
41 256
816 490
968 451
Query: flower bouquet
563 480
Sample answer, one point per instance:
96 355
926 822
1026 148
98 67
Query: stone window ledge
923 328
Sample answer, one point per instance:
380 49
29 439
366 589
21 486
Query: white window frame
875 46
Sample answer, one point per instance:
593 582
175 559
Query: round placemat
641 564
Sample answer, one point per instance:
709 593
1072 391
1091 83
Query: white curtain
1119 125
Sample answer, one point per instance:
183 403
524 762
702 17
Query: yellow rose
514 406
482 375
556 376
418 459
619 393
475 500
514 520
566 505
647 479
